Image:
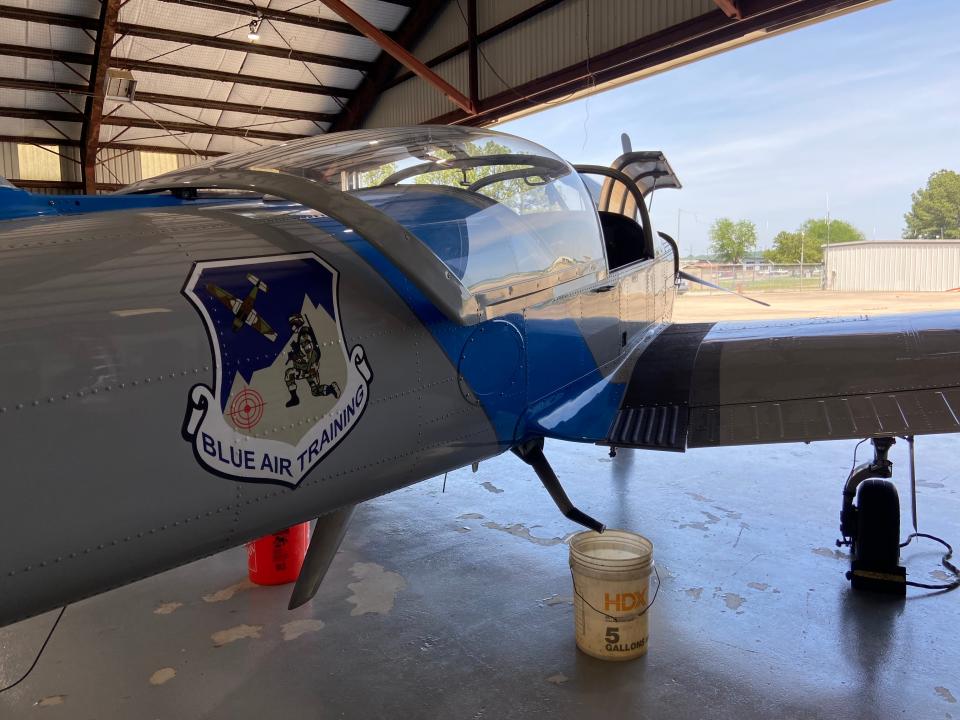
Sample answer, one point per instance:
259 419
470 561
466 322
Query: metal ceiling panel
86 8
179 54
33 100
37 128
41 35
46 70
298 71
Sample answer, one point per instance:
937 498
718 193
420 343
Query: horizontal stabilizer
257 282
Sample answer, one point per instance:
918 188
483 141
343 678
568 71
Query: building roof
203 87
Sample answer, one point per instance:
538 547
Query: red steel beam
48 18
668 45
730 8
93 114
488 34
397 51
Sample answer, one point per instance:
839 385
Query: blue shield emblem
286 388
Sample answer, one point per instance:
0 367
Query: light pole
802 236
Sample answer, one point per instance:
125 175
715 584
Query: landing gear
531 452
871 528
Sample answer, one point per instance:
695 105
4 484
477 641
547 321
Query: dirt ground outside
702 307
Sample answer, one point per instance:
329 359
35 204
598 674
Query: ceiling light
254 33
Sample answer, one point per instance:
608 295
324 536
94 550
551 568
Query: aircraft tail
257 282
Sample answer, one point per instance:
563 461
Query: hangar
451 597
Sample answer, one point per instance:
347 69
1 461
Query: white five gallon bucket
611 589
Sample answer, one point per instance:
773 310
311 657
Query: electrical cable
945 560
39 653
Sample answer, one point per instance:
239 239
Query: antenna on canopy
625 142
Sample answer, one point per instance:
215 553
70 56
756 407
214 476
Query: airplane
243 312
471 294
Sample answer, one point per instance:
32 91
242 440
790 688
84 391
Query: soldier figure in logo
305 356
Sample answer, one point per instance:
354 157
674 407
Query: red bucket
276 559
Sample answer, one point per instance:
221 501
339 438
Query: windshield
493 207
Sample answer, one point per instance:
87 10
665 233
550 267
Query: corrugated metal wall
115 166
555 39
907 266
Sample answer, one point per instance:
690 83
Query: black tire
877 544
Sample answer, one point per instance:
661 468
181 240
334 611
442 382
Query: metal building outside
892 265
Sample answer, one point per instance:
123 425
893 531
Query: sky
856 112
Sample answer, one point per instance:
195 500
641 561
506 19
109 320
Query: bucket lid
612 549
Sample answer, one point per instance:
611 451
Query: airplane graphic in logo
243 312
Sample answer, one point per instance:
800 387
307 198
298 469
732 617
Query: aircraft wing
704 385
261 326
231 302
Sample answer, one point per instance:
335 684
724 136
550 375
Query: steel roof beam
31 114
248 10
93 114
42 86
730 9
179 100
195 72
178 36
186 127
413 27
48 18
399 53
488 34
62 142
37 53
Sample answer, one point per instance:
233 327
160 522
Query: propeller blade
701 281
625 143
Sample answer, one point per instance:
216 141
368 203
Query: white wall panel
907 266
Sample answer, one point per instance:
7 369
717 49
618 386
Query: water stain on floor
558 679
470 516
228 592
51 700
167 608
555 600
945 694
375 589
490 487
295 628
239 632
828 553
521 531
695 593
162 676
758 586
699 498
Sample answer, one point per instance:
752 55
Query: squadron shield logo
286 390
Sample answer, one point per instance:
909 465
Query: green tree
520 194
936 208
730 241
808 241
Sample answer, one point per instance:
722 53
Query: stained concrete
458 605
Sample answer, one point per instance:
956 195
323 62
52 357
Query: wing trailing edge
702 385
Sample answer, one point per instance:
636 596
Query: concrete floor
709 306
457 605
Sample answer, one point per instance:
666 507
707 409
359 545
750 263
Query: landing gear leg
531 452
872 527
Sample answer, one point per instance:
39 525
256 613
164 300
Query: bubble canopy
493 207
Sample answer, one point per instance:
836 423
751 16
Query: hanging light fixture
254 33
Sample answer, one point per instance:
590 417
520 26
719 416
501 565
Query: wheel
877 544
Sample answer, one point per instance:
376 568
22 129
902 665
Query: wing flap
794 380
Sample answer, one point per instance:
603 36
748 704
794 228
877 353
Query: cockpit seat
624 239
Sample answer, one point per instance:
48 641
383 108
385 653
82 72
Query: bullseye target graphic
246 409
